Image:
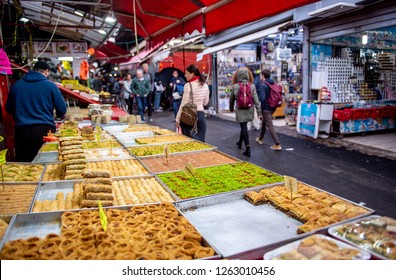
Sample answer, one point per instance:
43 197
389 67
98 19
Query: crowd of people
33 99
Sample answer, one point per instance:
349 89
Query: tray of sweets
239 229
66 195
107 154
375 234
5 220
16 198
177 161
317 247
100 145
174 148
17 172
218 179
120 168
78 234
49 147
162 139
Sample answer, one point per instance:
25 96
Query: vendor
31 102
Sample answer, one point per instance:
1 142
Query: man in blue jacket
31 102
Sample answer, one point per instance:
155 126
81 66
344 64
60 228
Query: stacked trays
153 167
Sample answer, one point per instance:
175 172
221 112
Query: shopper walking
243 116
267 112
97 83
198 91
149 78
140 88
159 89
177 85
256 122
127 94
31 102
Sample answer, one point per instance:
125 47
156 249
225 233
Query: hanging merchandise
84 68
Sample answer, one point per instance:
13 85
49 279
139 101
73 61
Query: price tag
102 215
291 185
3 154
111 146
189 170
166 153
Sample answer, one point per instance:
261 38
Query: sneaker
150 119
276 147
260 141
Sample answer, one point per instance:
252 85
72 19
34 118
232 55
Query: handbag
189 113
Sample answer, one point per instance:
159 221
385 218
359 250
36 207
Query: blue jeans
141 103
201 128
157 100
176 106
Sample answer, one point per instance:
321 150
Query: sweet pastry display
179 161
314 208
162 139
139 191
72 156
3 228
318 247
141 127
119 168
150 232
49 147
101 144
122 192
113 153
173 148
87 133
97 185
376 234
15 172
218 179
54 172
16 198
162 131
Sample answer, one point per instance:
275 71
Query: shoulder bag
189 113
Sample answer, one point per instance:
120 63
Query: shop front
352 66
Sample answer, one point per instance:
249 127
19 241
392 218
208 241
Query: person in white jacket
127 95
198 91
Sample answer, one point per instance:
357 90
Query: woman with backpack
244 97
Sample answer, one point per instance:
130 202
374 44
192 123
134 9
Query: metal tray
25 182
333 232
294 245
46 157
192 154
137 134
49 190
125 155
43 223
115 128
239 229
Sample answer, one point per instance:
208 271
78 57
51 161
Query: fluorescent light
23 19
110 19
79 13
112 39
364 38
101 31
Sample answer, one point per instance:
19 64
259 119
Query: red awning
114 53
161 20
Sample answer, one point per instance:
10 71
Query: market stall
165 197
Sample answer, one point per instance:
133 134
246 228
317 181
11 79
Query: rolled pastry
75 161
75 167
99 196
71 143
103 181
72 151
94 203
90 188
73 156
92 173
72 147
63 139
73 177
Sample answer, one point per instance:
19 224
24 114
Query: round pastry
66 243
125 256
179 256
48 246
156 244
106 244
175 240
159 255
122 246
30 255
70 233
106 254
189 248
69 252
11 253
204 252
50 255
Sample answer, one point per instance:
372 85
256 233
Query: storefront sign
308 119
57 49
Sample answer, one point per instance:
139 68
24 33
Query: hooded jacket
245 115
32 101
264 92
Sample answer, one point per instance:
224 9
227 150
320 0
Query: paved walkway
377 144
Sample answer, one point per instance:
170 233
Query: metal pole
306 65
214 83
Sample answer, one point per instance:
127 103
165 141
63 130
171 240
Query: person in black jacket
264 92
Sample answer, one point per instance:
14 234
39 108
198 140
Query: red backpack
274 99
245 99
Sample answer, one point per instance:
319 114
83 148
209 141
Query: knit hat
41 65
